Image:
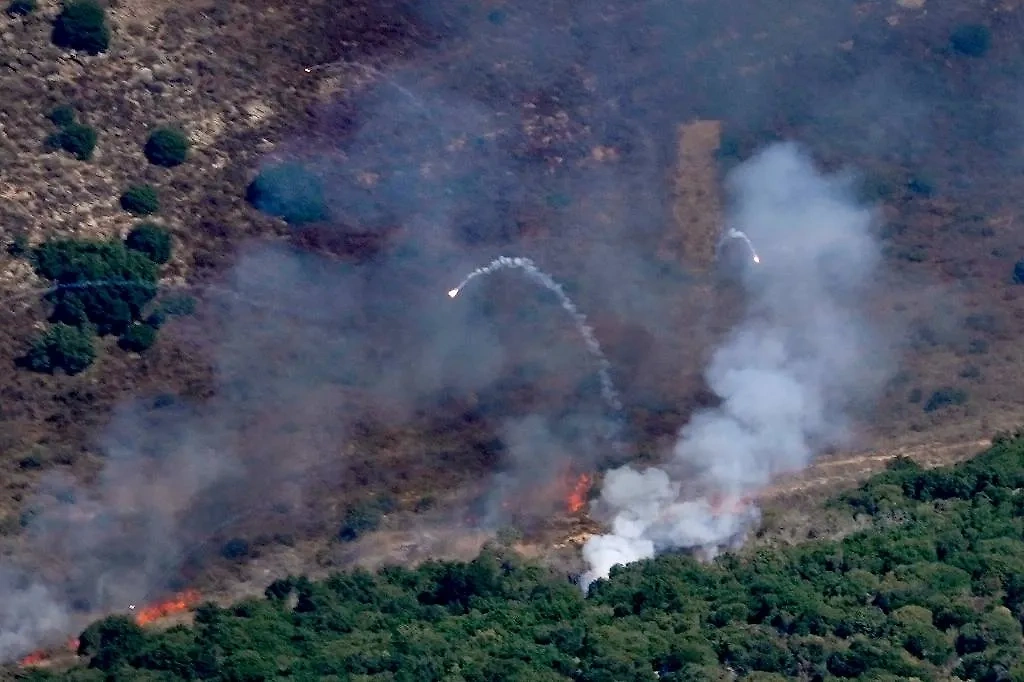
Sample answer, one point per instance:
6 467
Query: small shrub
76 139
18 246
977 347
82 25
1018 272
178 306
972 40
20 8
915 396
138 338
62 116
921 186
166 147
151 240
235 548
62 347
140 200
360 519
944 397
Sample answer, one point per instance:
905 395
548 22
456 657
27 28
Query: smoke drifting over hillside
787 374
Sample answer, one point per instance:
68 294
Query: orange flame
728 504
34 658
578 493
179 603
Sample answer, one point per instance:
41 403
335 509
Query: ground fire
179 603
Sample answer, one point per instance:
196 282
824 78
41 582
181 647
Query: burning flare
453 293
39 656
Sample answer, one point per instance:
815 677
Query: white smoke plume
788 375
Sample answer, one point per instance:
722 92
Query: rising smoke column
788 375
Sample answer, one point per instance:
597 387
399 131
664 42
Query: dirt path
845 471
697 203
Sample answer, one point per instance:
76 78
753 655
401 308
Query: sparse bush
1018 272
20 8
76 139
138 338
972 40
166 147
944 397
62 347
82 25
977 347
140 200
915 396
288 191
62 116
151 240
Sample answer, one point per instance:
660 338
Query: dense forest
931 587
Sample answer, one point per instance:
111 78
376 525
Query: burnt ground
234 76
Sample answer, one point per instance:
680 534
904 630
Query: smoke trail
788 375
733 233
608 390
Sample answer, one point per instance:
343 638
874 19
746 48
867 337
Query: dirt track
844 471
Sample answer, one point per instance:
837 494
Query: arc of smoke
733 233
608 391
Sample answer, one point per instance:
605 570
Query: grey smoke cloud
787 375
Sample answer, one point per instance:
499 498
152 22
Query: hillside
929 588
226 352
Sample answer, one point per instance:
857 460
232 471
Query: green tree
166 147
62 115
76 139
20 8
972 40
138 338
82 25
152 240
100 282
140 200
62 347
111 641
289 191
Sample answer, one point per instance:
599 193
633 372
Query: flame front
578 494
34 658
179 603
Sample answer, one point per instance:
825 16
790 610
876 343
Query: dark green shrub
359 519
138 338
972 40
945 397
76 139
140 200
82 25
20 8
1018 272
62 116
166 147
178 306
104 283
235 548
62 347
151 240
18 246
289 191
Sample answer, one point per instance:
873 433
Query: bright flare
757 259
453 293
